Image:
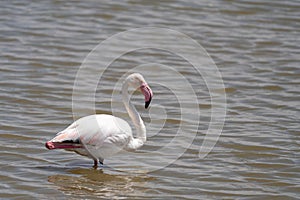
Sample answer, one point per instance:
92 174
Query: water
255 45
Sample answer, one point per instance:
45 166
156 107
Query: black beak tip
147 103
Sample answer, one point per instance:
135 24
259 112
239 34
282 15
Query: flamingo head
136 80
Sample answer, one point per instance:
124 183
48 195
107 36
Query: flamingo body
101 136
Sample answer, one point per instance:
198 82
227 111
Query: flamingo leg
95 164
101 162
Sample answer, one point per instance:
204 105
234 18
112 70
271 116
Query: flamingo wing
96 136
112 136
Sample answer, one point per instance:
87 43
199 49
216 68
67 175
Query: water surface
255 45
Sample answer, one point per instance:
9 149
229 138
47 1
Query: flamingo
100 136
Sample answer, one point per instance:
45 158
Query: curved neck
136 119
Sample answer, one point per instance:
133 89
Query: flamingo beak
147 103
147 92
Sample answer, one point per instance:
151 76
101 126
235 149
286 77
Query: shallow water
255 45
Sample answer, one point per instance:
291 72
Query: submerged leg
101 160
95 164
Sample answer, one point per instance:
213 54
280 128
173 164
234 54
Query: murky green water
255 45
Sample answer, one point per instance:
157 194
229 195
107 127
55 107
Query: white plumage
101 136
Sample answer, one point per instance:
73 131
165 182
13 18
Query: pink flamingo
101 136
